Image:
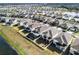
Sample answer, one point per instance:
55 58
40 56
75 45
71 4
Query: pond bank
5 48
13 46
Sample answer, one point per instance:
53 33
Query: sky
39 1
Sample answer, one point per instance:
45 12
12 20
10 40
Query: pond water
5 48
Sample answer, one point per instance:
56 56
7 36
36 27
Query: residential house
61 41
2 19
37 29
48 35
75 47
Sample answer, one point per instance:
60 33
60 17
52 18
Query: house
74 27
65 37
53 15
22 22
26 25
77 25
41 18
53 22
8 21
63 26
36 17
2 19
48 35
51 33
26 16
30 25
36 30
66 25
3 14
47 19
68 15
43 13
75 47
76 19
59 16
61 41
15 22
61 21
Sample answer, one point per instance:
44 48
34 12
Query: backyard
20 44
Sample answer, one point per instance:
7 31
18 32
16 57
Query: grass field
77 34
19 50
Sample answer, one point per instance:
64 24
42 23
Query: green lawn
19 50
76 33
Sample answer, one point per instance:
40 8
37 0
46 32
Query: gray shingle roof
64 37
75 44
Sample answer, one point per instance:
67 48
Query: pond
5 48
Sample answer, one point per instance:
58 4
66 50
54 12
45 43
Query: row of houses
64 24
48 29
18 12
46 36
